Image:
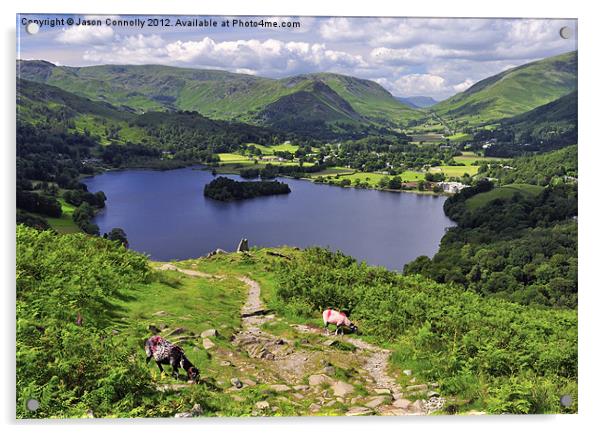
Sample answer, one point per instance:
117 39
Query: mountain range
308 104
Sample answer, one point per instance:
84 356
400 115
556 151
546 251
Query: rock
298 396
402 403
216 251
382 391
160 313
209 333
341 389
243 245
154 329
183 415
317 379
434 385
407 372
330 370
474 413
421 387
397 395
329 342
417 406
413 380
375 402
314 407
300 387
358 411
262 405
115 332
235 381
432 394
394 412
197 410
330 403
280 388
177 331
248 382
225 363
354 400
340 399
208 344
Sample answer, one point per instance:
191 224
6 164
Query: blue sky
408 56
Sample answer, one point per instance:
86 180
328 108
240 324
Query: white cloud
408 56
269 57
85 35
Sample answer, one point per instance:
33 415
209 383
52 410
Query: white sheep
337 318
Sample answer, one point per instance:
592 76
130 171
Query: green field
468 158
460 136
505 191
65 223
371 178
455 170
269 150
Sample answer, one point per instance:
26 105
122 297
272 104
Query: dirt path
189 272
286 366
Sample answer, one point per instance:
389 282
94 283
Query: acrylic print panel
293 216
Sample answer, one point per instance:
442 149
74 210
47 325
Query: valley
464 291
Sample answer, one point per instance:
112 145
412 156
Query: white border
589 152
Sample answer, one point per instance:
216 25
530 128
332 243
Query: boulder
300 387
280 388
154 329
341 389
262 405
217 251
177 331
330 370
375 402
208 344
209 333
402 403
243 245
358 411
382 391
318 379
235 381
407 372
314 407
418 388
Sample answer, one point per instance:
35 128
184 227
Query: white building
451 187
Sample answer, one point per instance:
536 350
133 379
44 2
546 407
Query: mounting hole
32 28
566 400
33 404
566 32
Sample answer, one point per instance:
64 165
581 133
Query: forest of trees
523 247
224 189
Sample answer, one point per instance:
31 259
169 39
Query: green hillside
94 303
225 95
512 92
40 104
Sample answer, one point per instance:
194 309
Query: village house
451 187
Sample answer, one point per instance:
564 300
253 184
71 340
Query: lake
166 216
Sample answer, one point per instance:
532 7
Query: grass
459 136
195 304
505 191
468 158
370 177
455 170
65 223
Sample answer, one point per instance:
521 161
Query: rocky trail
312 372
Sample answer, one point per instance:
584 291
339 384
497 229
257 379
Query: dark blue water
165 215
